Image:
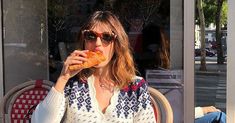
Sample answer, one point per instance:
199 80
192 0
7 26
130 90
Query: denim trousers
212 117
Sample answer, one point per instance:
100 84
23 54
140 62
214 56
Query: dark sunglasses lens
89 35
107 37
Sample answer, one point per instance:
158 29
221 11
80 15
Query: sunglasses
105 37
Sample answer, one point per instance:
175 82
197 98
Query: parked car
208 52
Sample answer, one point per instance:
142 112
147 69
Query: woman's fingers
208 109
77 57
79 53
76 60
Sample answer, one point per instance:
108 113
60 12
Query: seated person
209 114
98 82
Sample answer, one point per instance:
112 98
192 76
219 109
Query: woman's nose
98 41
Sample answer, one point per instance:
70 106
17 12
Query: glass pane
210 54
25 41
146 22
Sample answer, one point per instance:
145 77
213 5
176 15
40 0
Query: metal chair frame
10 97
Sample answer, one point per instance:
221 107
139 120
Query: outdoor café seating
162 108
18 103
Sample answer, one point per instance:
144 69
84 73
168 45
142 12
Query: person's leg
208 118
223 118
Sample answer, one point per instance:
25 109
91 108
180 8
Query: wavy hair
154 34
163 55
122 67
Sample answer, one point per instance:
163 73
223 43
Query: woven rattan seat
162 108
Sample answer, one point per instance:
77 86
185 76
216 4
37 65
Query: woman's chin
101 65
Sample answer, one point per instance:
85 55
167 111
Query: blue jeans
210 117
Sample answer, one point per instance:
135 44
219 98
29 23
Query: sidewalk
212 69
210 85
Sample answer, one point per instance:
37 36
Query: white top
198 112
78 104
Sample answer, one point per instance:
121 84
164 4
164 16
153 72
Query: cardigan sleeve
198 112
145 111
51 109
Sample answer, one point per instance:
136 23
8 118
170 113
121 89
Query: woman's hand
76 57
208 109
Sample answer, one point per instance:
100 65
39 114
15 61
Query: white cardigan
79 105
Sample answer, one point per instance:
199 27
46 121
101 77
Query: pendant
102 85
109 88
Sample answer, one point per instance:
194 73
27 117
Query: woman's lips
98 49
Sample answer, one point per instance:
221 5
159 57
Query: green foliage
224 13
209 8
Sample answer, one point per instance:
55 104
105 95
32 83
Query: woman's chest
73 115
83 106
103 98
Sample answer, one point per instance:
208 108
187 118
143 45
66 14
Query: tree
209 7
104 5
215 12
63 16
144 10
220 56
202 30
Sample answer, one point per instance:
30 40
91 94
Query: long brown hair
122 65
154 34
164 51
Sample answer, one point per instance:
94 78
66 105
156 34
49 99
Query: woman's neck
104 72
104 79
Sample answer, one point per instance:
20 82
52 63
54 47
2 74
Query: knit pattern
132 98
78 93
132 101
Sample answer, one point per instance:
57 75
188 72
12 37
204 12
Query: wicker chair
19 103
162 108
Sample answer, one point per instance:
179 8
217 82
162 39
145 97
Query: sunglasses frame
100 35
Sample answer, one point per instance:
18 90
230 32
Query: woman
107 92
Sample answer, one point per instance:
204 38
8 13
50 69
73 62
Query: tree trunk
202 31
220 54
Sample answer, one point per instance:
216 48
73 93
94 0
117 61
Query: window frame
189 13
230 103
1 54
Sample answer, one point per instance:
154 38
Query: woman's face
99 33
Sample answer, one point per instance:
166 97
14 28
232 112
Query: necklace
107 86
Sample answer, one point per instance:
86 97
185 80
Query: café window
150 26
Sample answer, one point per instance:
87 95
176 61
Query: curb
211 73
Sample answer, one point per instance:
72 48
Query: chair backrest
19 102
161 106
